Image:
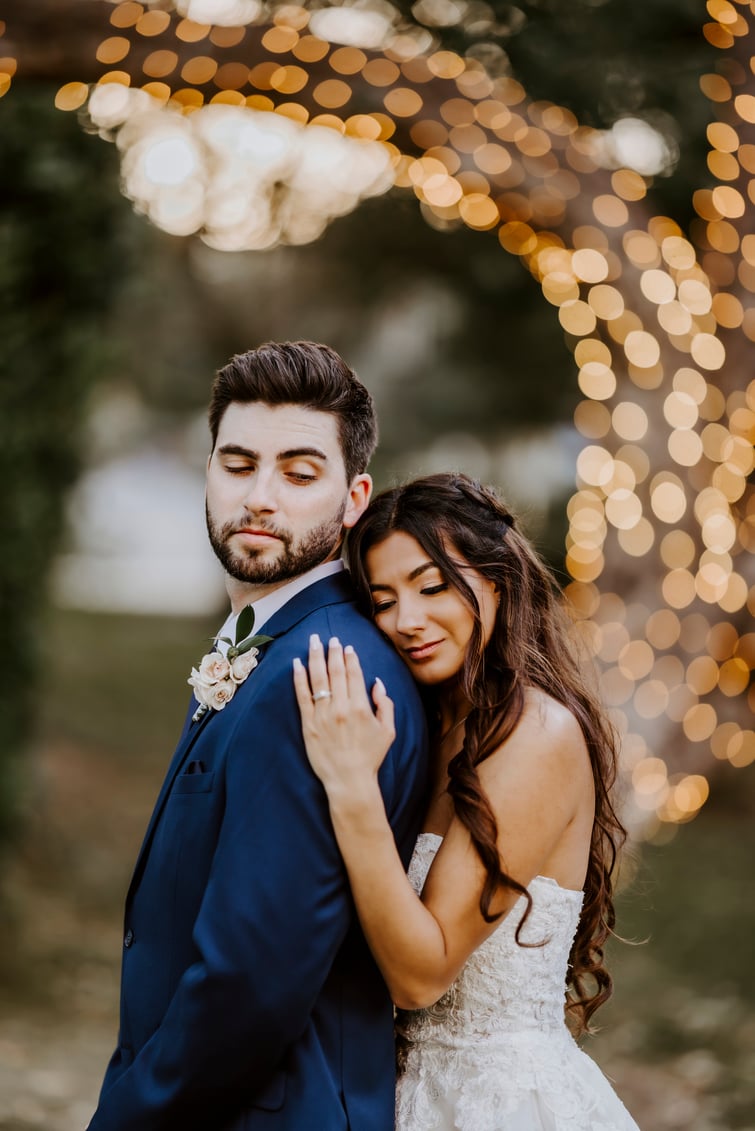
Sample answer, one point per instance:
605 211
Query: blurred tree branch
55 39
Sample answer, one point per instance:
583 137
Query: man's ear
357 499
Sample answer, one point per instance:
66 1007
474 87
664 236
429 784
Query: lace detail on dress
494 1052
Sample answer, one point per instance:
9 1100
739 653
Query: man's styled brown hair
307 374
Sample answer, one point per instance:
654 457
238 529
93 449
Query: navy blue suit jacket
249 998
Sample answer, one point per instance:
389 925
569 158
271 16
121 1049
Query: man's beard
294 559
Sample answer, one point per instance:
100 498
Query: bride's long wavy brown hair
460 523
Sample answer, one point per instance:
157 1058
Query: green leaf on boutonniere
244 624
251 642
242 646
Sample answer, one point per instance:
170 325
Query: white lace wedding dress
494 1054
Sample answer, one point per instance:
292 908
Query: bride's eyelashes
426 591
381 607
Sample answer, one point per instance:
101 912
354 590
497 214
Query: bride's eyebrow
415 573
422 569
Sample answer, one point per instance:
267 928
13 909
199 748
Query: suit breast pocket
194 783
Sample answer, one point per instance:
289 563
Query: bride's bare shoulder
551 719
546 742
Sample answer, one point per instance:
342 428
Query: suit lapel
333 590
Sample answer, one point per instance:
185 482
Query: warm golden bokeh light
298 116
8 65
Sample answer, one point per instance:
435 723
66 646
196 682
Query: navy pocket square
194 768
193 785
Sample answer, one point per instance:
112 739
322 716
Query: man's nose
260 494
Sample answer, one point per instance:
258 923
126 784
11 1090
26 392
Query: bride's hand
346 742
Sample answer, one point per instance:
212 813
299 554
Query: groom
249 999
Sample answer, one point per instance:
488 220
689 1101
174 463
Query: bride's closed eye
426 591
429 590
381 606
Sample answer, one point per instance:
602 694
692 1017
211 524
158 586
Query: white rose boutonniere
217 677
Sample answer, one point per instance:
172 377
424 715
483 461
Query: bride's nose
409 616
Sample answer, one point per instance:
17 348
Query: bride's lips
423 651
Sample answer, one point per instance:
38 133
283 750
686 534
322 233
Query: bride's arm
419 945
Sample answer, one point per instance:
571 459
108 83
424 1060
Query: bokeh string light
263 125
684 513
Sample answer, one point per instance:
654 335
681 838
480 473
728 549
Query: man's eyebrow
298 453
291 453
237 450
412 576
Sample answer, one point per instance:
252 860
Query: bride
497 934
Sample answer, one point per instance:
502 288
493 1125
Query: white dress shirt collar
267 606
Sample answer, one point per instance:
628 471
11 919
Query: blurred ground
678 1039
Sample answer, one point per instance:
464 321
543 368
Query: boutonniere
217 677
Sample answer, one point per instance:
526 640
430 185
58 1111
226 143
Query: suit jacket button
128 938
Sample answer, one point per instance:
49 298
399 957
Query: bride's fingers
384 709
318 670
354 676
302 689
337 671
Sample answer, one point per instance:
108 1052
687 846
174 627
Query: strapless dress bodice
494 1052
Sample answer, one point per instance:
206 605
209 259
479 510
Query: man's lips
423 651
253 533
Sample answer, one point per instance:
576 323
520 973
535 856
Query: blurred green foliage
60 263
683 1007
